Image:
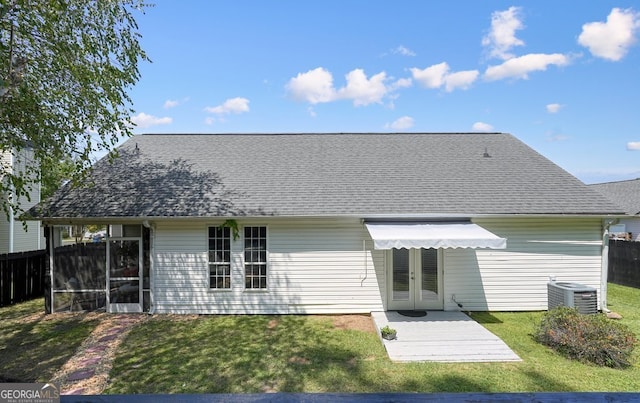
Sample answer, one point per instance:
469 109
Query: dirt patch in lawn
363 323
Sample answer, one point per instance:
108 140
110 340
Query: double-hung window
220 258
255 258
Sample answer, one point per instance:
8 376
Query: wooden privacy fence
22 276
624 263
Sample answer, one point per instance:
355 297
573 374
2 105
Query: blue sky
562 76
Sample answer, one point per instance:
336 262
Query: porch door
124 263
415 277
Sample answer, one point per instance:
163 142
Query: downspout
366 266
11 200
39 227
11 225
51 230
605 263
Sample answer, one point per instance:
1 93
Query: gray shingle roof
625 194
388 174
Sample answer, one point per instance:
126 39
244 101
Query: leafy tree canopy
65 69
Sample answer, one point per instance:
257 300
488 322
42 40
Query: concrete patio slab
443 337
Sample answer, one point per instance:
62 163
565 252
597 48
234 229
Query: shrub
590 338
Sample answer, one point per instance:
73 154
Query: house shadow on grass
235 354
34 345
484 317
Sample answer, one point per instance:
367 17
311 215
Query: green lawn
218 354
231 354
34 345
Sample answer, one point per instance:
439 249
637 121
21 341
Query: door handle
411 276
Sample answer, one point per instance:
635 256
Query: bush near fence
22 276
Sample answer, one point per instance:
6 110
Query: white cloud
520 67
142 120
401 50
401 83
482 127
633 146
502 36
314 86
403 123
438 75
232 105
460 79
364 91
312 112
555 137
170 103
611 40
432 76
554 108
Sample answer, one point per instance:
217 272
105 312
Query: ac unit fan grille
583 298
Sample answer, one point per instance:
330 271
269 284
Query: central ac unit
581 297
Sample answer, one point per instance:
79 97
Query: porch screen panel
124 271
79 277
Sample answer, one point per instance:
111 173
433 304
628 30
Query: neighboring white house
332 223
14 236
625 194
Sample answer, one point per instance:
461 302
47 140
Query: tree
56 176
65 69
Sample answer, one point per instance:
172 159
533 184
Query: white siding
315 266
30 239
5 166
515 279
23 240
328 266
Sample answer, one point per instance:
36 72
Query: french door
415 279
124 264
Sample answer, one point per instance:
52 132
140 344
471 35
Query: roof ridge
318 133
613 182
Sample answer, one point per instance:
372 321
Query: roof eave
439 216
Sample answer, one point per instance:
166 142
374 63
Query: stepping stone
79 391
96 349
614 315
90 361
108 338
81 374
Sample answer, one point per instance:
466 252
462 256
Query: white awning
433 235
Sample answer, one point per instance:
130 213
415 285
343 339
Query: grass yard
248 354
34 345
242 354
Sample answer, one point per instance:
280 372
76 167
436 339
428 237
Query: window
220 258
255 257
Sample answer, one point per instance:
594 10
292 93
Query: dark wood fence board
22 276
624 263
